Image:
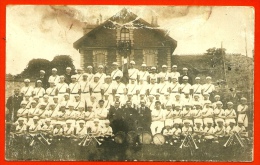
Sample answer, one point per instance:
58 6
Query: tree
61 62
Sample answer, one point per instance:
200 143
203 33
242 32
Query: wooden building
141 41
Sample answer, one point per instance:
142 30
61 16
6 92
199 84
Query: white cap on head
54 69
187 121
27 80
89 67
153 67
229 103
143 65
101 66
243 98
185 78
208 77
219 102
184 68
205 94
81 122
66 94
20 118
39 81
107 122
35 117
47 119
197 78
174 66
23 103
68 121
132 62
219 120
216 96
232 121
45 96
177 121
96 120
164 66
196 121
240 122
61 76
73 76
117 95
68 68
42 71
115 63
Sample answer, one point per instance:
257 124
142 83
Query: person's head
128 103
45 98
176 125
101 103
142 95
52 84
129 96
219 104
35 119
232 123
164 68
16 91
85 77
243 100
55 99
197 80
167 95
187 94
187 106
143 67
42 73
80 71
90 108
33 104
229 105
157 96
151 98
108 79
162 79
73 78
66 96
42 106
20 121
93 98
185 79
217 98
115 66
174 68
167 126
100 68
198 124
23 104
117 97
52 106
117 104
207 104
132 81
96 122
185 71
153 69
39 83
71 107
174 80
63 108
77 97
197 106
27 97
157 105
68 70
62 79
153 80
220 123
168 107
68 123
196 97
26 82
208 79
142 103
81 123
106 95
205 96
186 123
209 124
54 71
107 123
58 125
36 99
118 78
177 96
177 107
132 64
89 69
48 121
81 108
240 123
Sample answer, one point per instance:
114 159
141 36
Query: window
124 34
100 59
150 59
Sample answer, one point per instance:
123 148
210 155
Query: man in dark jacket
185 73
13 105
130 116
143 117
44 79
116 118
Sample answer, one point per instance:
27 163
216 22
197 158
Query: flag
125 78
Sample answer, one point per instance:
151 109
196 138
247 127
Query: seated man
107 130
220 129
198 129
176 131
187 128
20 129
68 129
167 132
58 130
241 130
96 128
209 130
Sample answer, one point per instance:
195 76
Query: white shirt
62 87
84 86
133 73
39 91
27 90
116 73
120 88
51 91
74 88
55 79
143 75
101 76
208 88
175 75
185 88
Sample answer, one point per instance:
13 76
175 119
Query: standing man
144 117
27 89
165 74
133 72
116 119
116 72
13 105
174 73
74 88
84 86
185 73
79 76
101 74
90 74
44 79
54 77
62 88
68 75
185 86
209 88
143 74
197 88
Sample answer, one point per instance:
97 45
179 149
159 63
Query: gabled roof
128 19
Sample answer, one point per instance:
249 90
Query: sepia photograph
129 83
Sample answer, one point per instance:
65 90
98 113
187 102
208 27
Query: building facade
125 35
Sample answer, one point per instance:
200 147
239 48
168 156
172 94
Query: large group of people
98 103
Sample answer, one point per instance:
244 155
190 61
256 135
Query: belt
175 92
84 92
197 93
120 93
62 92
95 92
52 95
74 93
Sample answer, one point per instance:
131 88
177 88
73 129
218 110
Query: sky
34 31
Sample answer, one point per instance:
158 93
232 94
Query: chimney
155 22
152 23
100 18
